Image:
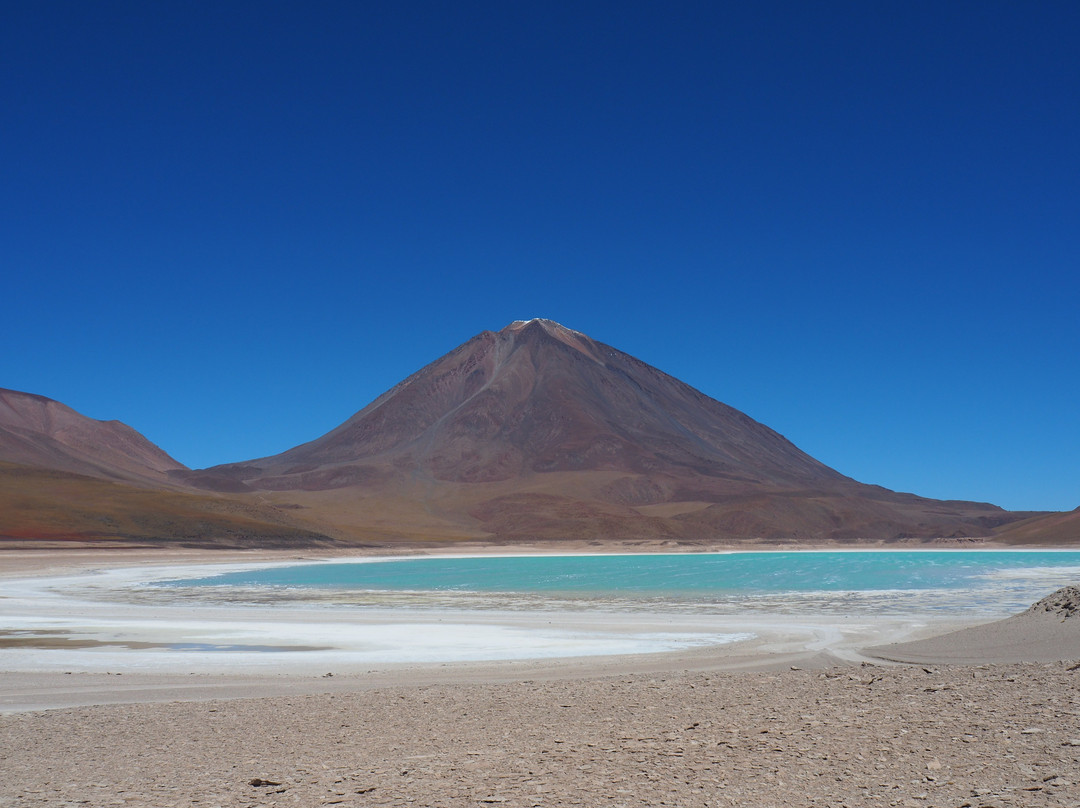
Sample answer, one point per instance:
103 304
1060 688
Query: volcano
539 432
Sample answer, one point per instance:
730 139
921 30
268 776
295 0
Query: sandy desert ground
911 736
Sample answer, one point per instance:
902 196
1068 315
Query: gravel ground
1005 735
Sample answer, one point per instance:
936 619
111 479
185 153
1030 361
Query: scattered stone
680 739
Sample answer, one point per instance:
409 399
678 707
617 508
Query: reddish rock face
539 431
537 397
72 480
37 431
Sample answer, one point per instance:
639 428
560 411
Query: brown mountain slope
37 431
534 398
66 477
40 507
538 431
1054 528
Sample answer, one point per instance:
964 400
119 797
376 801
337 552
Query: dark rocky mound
1065 603
1041 633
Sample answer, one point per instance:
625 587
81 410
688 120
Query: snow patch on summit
567 336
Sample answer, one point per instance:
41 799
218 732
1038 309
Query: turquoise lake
995 581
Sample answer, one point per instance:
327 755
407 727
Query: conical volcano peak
538 431
520 329
550 326
517 325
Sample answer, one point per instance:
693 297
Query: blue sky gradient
233 225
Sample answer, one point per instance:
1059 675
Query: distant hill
539 432
42 507
1053 528
65 477
37 431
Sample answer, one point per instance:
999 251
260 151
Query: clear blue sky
232 225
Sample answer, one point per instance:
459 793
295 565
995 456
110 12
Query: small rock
258 782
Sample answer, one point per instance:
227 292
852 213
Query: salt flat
64 617
108 619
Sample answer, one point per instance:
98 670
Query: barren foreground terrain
871 735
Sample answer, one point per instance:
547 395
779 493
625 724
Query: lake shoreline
21 557
292 649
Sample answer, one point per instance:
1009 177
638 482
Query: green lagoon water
990 581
